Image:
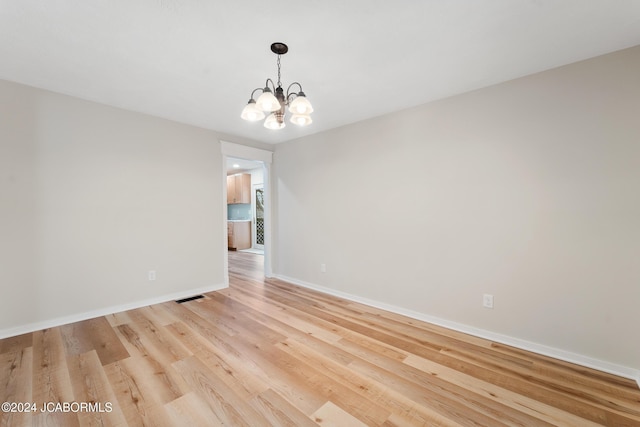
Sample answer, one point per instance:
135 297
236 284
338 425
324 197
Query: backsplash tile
239 211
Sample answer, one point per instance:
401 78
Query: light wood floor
267 353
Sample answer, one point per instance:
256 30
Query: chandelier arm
273 85
254 91
293 93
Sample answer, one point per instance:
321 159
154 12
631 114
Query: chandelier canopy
273 101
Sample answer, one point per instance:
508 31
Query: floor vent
180 301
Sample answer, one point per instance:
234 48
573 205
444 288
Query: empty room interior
325 213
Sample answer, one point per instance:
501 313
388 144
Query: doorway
245 205
256 162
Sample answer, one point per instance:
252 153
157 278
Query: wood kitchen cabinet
239 188
239 234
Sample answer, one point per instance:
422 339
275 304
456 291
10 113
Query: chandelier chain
279 84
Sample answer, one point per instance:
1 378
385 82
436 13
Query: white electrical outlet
152 275
487 300
323 268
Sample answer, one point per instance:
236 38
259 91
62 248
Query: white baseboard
45 324
600 365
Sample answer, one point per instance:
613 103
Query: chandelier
273 101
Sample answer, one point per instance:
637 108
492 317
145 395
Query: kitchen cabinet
239 188
239 234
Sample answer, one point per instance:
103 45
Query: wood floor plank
188 410
229 408
331 415
16 343
131 398
334 330
534 408
15 383
117 319
144 338
91 386
281 314
307 374
400 420
263 374
211 328
376 392
279 412
543 389
93 334
596 381
264 352
50 377
235 371
159 315
369 380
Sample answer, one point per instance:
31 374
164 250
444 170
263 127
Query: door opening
240 159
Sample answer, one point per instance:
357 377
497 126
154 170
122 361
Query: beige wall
91 198
528 190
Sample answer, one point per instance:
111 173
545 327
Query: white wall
528 190
257 176
91 198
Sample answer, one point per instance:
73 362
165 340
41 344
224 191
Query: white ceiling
243 165
197 61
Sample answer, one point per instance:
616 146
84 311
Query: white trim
37 326
244 152
225 230
600 365
268 224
